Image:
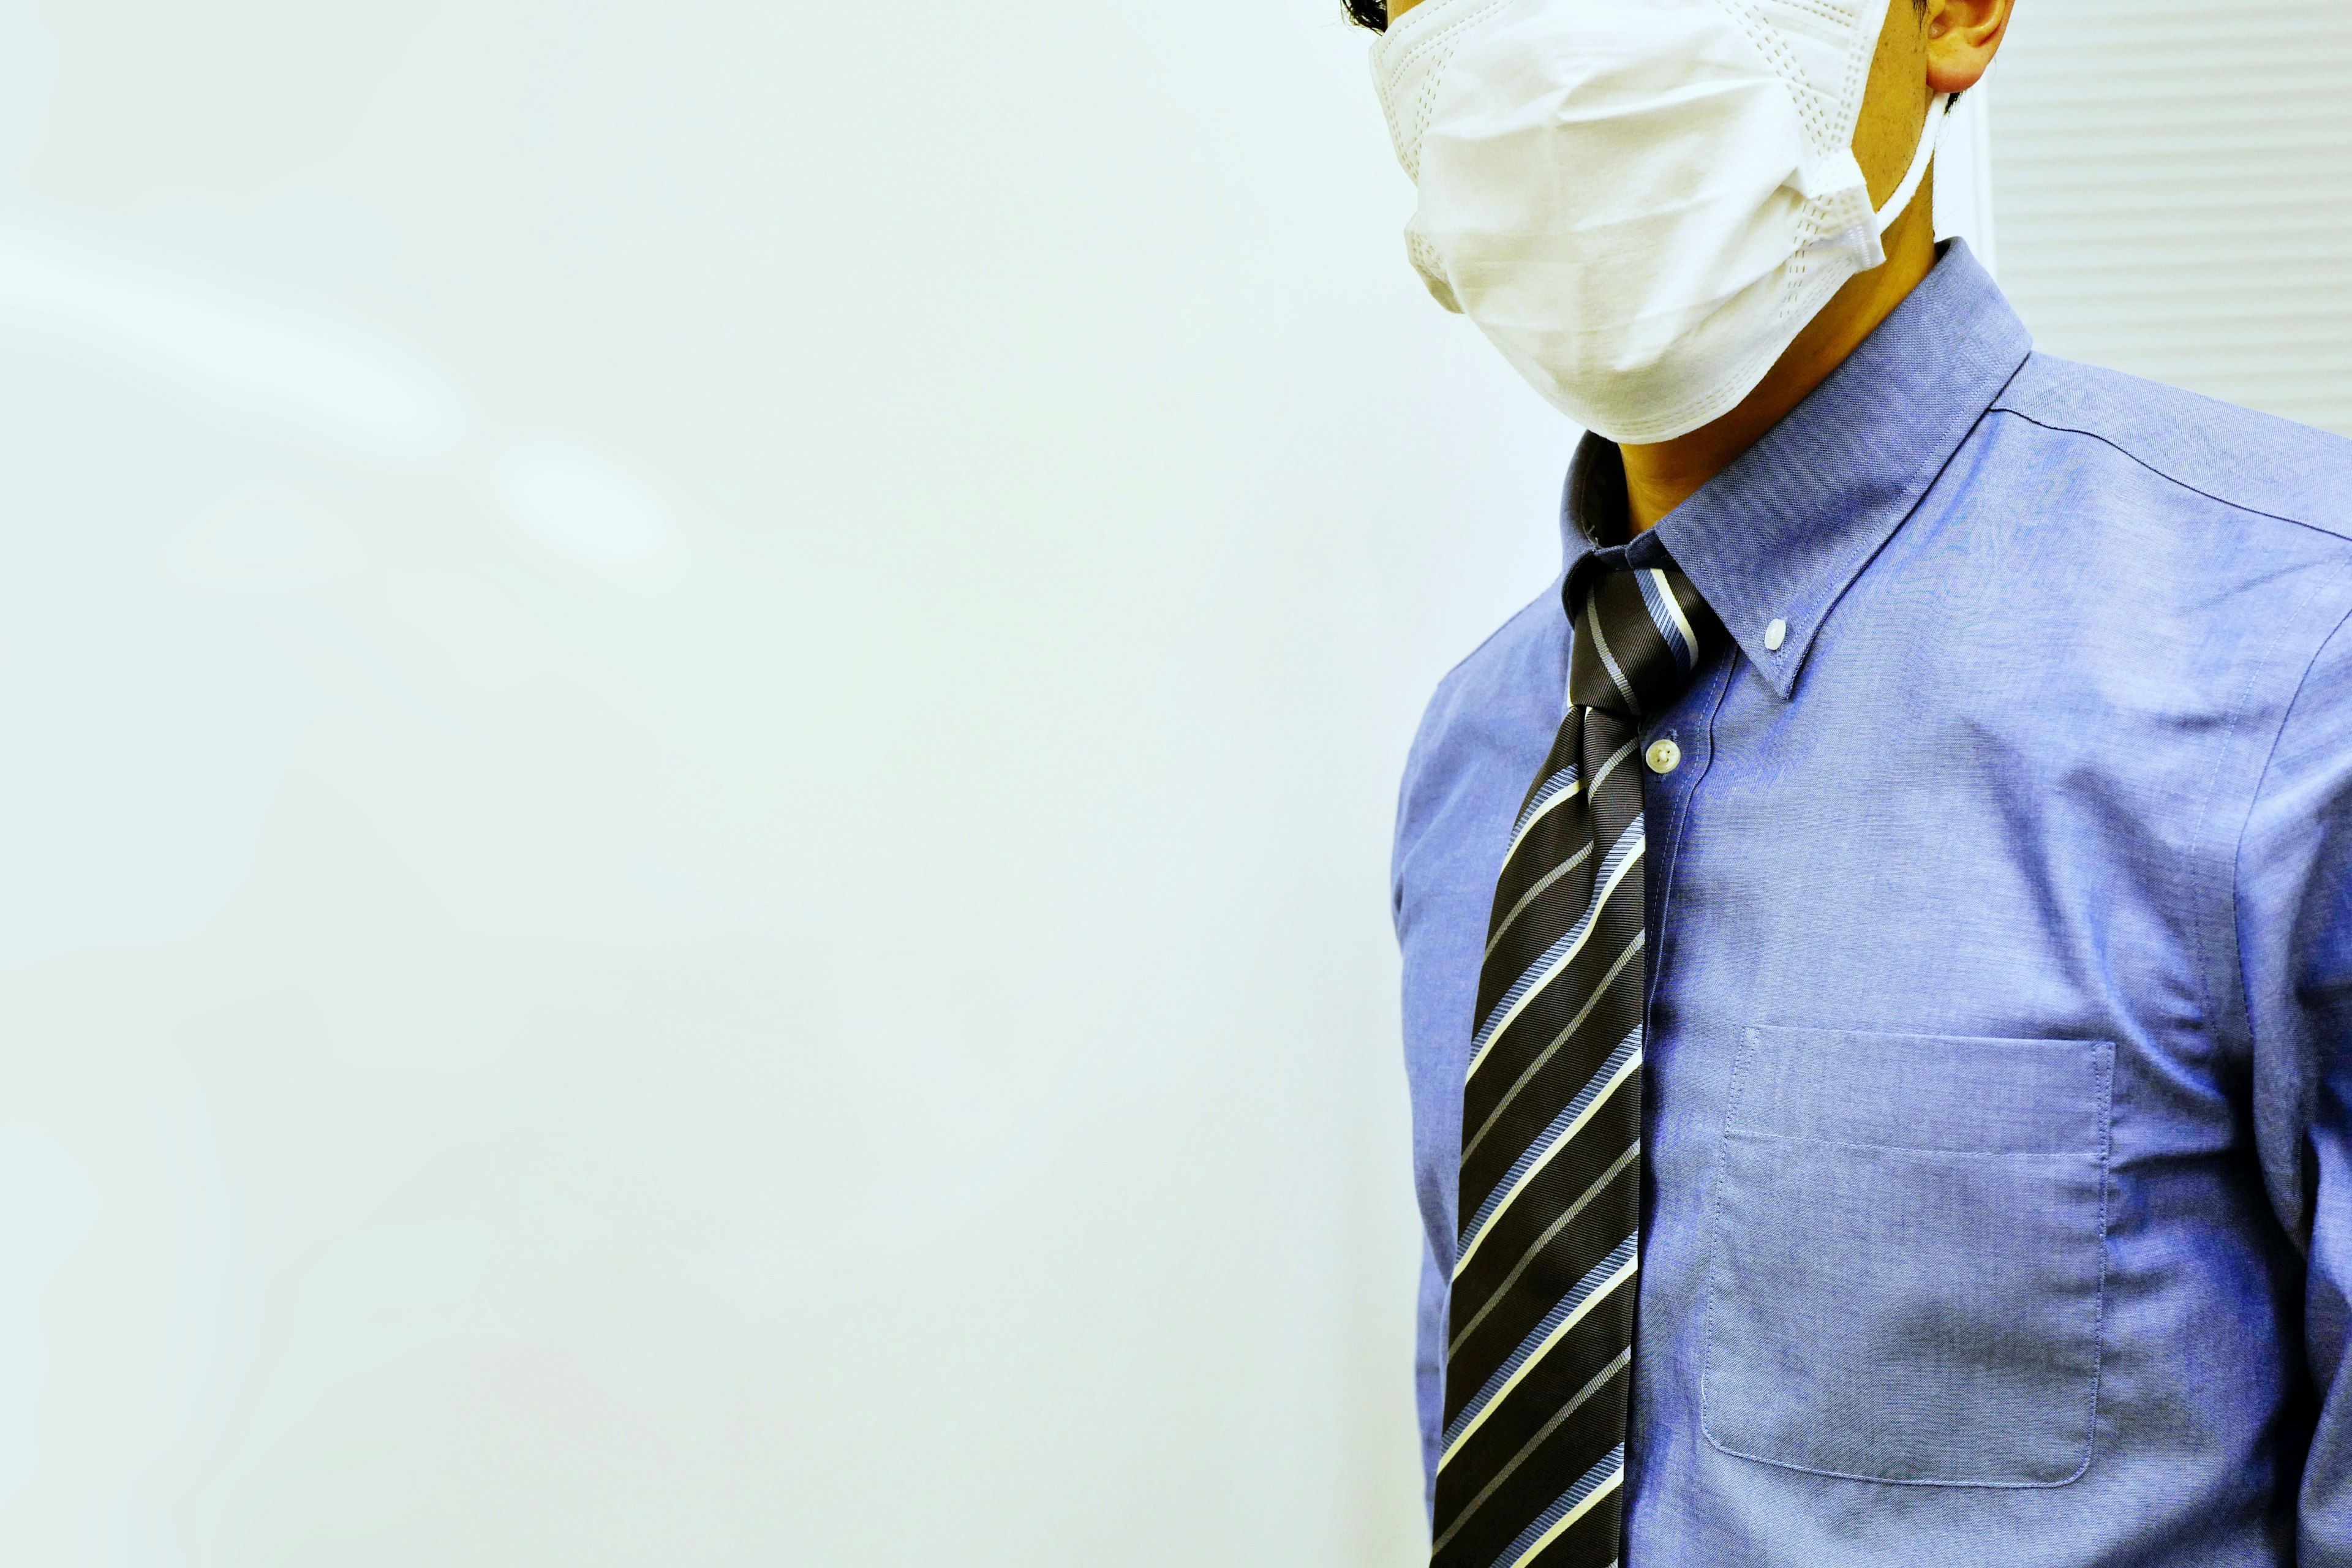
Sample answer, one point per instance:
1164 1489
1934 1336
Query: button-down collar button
1775 634
1664 757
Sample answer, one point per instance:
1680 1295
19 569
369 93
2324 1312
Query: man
1878 931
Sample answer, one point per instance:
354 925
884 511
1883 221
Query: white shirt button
1775 634
1663 757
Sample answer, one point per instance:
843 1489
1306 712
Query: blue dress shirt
1996 1116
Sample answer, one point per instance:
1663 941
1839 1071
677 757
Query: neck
1659 476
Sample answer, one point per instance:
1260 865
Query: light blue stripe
1564 779
1628 843
1617 1259
1663 616
1550 1135
1592 1481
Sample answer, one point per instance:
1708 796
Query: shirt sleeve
1429 1317
1429 1371
2294 941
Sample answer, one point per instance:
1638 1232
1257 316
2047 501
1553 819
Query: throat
1662 475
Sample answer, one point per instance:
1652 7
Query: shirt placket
1688 728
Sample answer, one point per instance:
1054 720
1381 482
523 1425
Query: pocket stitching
2105 1070
2099 1154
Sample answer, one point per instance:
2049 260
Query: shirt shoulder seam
2300 1228
2165 475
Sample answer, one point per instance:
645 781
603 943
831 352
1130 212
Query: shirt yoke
2252 462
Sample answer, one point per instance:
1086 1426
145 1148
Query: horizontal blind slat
2173 191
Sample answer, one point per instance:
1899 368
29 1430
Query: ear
1963 36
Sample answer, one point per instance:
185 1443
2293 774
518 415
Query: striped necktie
1540 1334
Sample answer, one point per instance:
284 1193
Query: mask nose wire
1925 154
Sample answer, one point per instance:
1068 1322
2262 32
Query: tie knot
1638 636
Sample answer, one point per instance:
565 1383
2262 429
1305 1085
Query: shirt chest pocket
1909 1257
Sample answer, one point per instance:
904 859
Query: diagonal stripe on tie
1597 1484
1621 864
1614 1074
1547 1265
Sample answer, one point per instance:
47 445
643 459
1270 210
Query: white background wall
701 704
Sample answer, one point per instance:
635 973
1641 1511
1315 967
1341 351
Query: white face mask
1640 202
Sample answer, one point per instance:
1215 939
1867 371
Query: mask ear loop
1929 134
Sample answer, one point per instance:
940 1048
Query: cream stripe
1530 897
1563 1223
1600 1294
1633 1065
1580 787
1615 757
1535 1066
1591 923
1609 659
1617 1363
1570 793
1674 607
1572 1515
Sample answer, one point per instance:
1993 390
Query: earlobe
1956 77
1963 36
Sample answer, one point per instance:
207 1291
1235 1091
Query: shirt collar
1781 534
